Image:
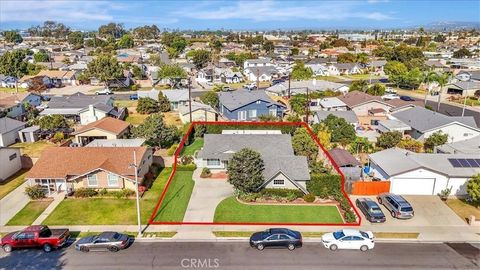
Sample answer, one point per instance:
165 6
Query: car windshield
407 209
364 234
338 235
375 210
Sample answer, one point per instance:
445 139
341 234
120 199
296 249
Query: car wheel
393 214
7 248
113 249
380 200
333 247
291 246
260 247
84 249
47 248
364 248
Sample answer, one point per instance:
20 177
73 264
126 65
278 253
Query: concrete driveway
69 90
429 211
11 204
206 195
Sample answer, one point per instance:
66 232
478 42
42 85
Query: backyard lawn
176 200
189 150
108 211
463 209
230 210
136 118
12 183
33 150
29 213
125 103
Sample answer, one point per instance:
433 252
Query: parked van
396 205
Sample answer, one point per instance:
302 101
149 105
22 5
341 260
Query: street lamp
134 165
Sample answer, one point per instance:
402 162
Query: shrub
116 193
309 197
35 192
126 192
185 160
324 185
350 216
172 149
205 173
103 192
59 136
281 192
188 167
85 193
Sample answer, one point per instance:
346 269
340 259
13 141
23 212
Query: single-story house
263 73
8 81
200 112
328 104
9 129
10 162
282 168
94 112
30 134
470 146
13 103
349 116
300 87
318 69
260 62
177 97
348 164
425 122
390 125
70 168
369 109
244 105
412 173
473 75
230 76
137 142
463 88
343 69
105 128
60 77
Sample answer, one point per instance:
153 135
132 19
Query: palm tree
442 80
428 77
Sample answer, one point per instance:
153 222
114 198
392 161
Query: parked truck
35 236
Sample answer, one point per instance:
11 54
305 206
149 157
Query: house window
252 113
242 115
112 180
92 180
213 162
273 111
278 182
12 157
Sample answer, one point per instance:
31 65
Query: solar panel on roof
455 163
464 162
472 163
478 161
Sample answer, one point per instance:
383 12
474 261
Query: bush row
188 167
35 192
90 192
272 194
324 185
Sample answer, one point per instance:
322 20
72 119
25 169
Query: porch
51 186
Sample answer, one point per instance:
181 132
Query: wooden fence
370 188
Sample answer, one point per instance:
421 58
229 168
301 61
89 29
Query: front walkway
206 195
11 204
57 199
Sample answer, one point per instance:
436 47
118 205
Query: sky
238 15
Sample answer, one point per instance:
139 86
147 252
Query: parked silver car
396 205
111 241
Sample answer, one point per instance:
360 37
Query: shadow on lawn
166 203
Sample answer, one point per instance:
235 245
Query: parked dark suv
370 209
276 238
396 205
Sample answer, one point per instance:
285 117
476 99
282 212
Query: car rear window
406 209
375 210
116 236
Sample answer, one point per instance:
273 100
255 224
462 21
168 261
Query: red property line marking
182 144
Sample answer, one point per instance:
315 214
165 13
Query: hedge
324 185
188 167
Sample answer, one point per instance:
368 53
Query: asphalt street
239 255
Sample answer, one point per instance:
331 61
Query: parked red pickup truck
35 236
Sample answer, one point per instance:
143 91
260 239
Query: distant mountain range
451 25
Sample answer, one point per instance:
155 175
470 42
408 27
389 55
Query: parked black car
276 238
277 81
406 98
111 241
371 210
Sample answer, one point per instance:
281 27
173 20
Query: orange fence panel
370 188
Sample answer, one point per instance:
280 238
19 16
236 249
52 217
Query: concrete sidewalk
11 204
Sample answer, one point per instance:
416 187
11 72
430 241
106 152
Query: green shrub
281 193
188 167
350 216
85 193
185 160
205 173
309 198
128 192
172 149
35 192
59 136
103 192
324 185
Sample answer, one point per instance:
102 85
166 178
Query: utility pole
307 106
289 90
258 79
190 99
135 167
465 100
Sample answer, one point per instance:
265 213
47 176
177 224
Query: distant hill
451 25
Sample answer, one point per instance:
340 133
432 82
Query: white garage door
412 186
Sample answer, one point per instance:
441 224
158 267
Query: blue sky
213 14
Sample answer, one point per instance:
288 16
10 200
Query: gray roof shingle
9 124
236 99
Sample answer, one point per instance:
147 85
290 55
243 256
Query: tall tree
200 58
301 72
156 132
174 73
389 139
342 131
12 63
473 189
462 53
268 46
163 102
436 139
147 106
76 39
245 170
125 42
111 30
304 145
104 68
41 56
210 98
12 37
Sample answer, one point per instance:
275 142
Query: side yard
463 209
12 183
33 150
189 150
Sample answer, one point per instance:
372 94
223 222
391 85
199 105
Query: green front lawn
230 210
12 183
108 211
29 213
189 150
176 200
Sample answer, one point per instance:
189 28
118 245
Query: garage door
412 186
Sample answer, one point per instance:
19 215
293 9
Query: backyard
29 213
189 150
12 183
231 210
33 150
95 211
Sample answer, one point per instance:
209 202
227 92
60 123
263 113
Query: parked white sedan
390 96
349 239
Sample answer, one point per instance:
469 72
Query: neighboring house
176 97
300 87
9 129
328 104
13 103
7 81
30 134
98 111
425 122
318 69
470 146
463 88
263 73
70 168
10 162
200 112
369 109
377 66
260 62
230 76
60 77
348 164
116 143
105 128
349 116
243 105
412 173
204 75
344 69
26 80
153 93
390 125
473 75
282 168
